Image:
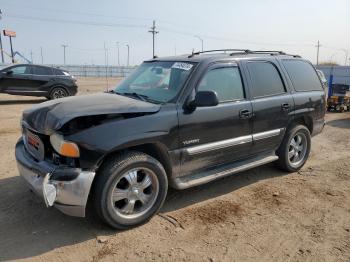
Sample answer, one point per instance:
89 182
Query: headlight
63 147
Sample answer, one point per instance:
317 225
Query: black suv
37 80
179 121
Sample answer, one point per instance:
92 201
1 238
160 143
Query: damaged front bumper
65 188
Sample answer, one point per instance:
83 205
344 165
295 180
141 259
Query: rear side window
42 71
303 75
225 81
266 79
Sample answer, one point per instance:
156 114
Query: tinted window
20 70
43 71
303 75
266 80
226 82
57 72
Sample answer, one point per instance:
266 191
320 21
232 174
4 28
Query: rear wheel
130 188
58 92
295 148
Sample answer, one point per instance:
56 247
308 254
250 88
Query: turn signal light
63 147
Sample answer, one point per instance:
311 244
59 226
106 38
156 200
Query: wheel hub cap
135 192
297 149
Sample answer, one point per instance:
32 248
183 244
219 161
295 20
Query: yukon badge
189 142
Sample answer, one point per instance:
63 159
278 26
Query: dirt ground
260 215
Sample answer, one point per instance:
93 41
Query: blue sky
85 26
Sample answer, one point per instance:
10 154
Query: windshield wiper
144 98
133 94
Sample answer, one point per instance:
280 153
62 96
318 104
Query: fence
341 74
94 70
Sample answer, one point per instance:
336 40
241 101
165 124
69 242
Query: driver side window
20 70
225 81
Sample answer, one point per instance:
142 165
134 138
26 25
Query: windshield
156 81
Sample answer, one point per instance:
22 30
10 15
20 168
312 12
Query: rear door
212 136
272 104
42 78
16 79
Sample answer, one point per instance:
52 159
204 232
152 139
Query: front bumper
65 188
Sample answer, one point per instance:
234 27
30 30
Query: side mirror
10 72
204 99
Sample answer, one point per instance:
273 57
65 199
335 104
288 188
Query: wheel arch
155 149
302 120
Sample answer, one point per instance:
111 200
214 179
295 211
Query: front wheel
130 188
295 148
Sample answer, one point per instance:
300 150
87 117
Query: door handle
285 106
245 114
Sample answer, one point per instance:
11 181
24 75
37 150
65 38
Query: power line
167 29
69 21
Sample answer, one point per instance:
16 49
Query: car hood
50 116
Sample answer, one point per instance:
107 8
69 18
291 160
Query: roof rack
271 53
218 50
240 51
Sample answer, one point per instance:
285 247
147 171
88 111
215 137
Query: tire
292 154
58 92
125 175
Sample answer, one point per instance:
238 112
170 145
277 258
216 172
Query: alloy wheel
297 149
134 193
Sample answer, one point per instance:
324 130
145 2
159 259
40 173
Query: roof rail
272 53
218 50
240 51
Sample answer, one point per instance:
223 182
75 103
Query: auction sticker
182 65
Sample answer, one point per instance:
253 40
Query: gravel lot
260 215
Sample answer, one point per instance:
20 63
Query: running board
205 177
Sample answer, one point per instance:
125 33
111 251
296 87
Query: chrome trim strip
218 145
267 134
232 142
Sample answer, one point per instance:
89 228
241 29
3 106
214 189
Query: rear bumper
65 188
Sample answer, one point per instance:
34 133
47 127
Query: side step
205 177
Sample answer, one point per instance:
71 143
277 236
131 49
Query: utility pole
106 64
318 51
154 32
64 53
42 57
2 53
12 55
200 40
31 56
118 53
346 55
127 64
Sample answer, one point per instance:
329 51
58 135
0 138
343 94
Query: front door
16 79
213 136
